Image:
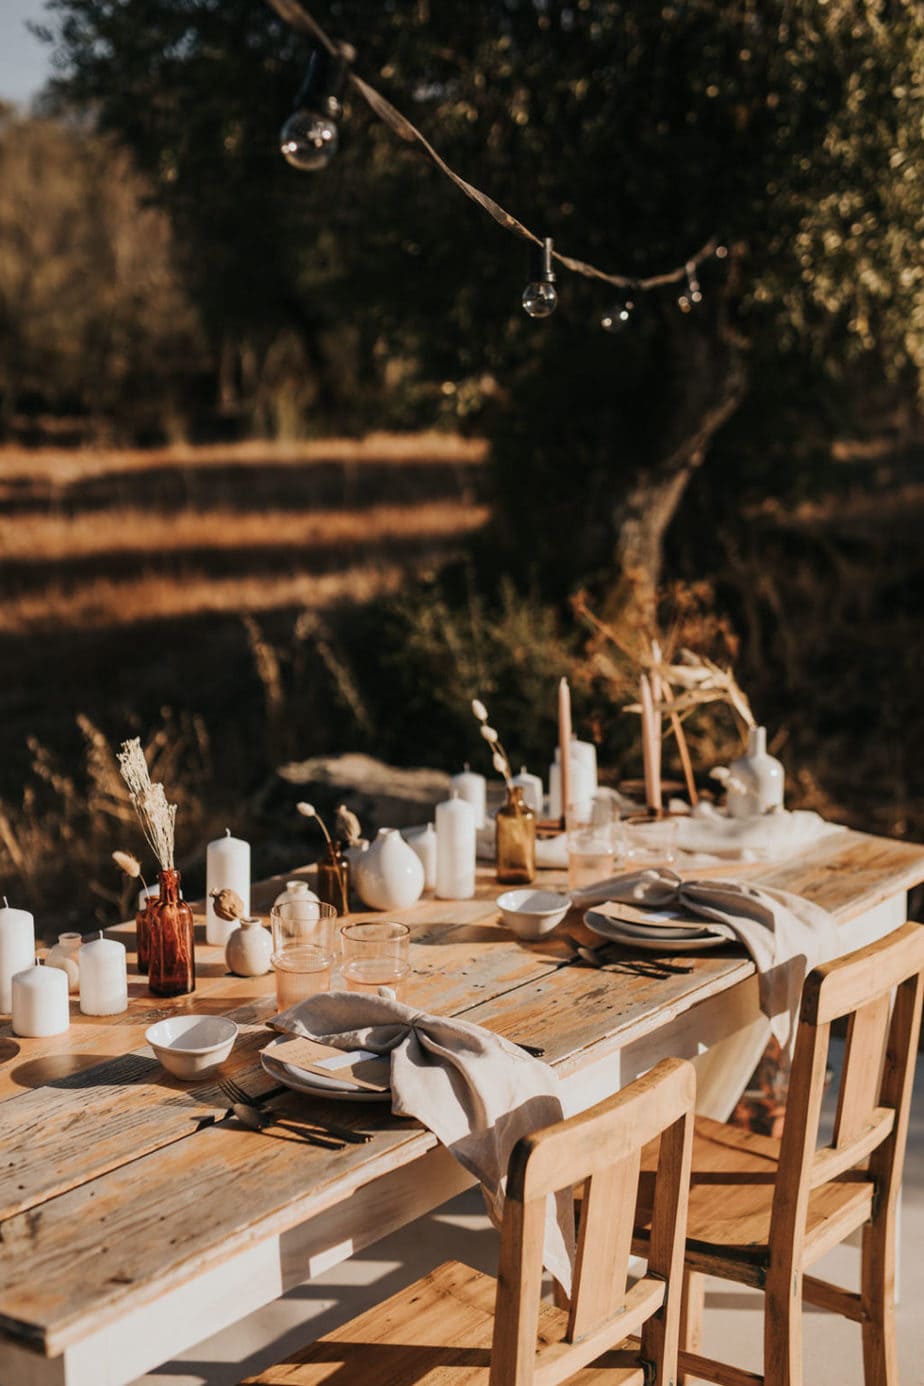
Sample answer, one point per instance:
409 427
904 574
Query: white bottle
755 780
455 850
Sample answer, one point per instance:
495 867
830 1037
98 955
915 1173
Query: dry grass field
193 590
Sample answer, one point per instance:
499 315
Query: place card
364 1069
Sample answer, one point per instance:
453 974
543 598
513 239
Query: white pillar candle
583 783
424 844
227 867
17 949
531 786
455 849
39 1002
584 753
473 789
103 977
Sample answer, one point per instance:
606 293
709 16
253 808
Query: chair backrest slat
876 1079
600 1148
863 1058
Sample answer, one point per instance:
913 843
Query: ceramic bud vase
172 967
333 883
249 949
389 875
64 955
515 840
755 780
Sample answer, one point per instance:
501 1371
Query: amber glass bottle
172 965
515 841
333 883
143 933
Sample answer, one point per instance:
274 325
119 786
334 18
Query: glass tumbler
592 832
304 944
375 958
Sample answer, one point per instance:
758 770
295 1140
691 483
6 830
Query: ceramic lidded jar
755 780
389 875
249 948
64 955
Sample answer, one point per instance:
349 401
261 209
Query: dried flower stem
156 816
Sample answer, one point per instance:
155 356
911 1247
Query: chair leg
783 1329
877 1286
691 1318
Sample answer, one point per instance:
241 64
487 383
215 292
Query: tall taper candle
17 949
227 867
564 744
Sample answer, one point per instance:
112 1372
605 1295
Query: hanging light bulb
540 297
618 316
310 137
692 294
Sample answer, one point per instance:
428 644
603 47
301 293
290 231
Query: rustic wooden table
128 1233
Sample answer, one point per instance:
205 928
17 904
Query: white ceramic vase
64 955
249 949
389 875
755 780
295 890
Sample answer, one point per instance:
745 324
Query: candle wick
6 903
227 832
465 767
100 933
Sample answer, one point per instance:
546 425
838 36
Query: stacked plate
277 1064
658 931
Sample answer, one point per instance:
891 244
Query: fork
235 1093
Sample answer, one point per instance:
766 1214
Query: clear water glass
593 836
375 958
304 947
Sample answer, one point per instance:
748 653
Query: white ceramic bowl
192 1046
532 913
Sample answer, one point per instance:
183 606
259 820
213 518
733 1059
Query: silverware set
636 967
254 1113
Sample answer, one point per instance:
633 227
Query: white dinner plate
313 1084
617 932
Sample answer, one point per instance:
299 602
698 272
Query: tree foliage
630 132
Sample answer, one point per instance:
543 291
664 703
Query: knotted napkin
785 935
475 1091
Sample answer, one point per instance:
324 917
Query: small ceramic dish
532 913
192 1047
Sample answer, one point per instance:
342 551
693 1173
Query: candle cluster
36 997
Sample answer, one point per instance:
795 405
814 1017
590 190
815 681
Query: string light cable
310 138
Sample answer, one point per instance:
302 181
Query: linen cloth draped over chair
457 1325
763 1211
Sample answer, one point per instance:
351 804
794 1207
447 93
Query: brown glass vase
172 964
515 840
333 883
143 933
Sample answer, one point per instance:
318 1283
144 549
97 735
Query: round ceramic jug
64 955
389 875
248 949
755 780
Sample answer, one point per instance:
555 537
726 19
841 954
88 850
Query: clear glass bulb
540 299
309 141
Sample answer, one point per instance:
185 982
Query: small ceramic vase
295 890
755 780
249 947
390 875
64 955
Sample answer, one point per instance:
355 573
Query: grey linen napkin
785 935
475 1091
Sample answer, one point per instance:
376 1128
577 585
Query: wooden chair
762 1211
461 1327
